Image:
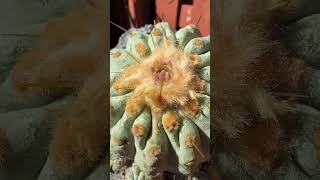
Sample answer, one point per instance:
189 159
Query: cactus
160 98
160 117
57 136
265 73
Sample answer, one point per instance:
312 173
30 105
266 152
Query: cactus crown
157 97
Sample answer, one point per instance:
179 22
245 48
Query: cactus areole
160 96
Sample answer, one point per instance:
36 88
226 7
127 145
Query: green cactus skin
149 138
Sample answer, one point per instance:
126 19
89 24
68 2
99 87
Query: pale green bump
117 162
207 89
205 73
120 59
157 144
134 173
139 160
205 105
204 59
144 120
117 107
159 32
189 138
133 37
186 155
198 45
113 76
202 120
150 160
129 174
155 38
122 129
184 35
121 139
138 45
141 176
203 123
173 138
169 32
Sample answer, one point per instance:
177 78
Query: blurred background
178 13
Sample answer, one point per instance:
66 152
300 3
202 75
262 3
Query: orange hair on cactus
79 139
73 47
255 79
73 57
261 147
249 60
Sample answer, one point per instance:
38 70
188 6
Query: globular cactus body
35 112
160 102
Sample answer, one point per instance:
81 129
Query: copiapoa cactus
160 102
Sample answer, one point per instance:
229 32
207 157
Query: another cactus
160 102
71 60
259 79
